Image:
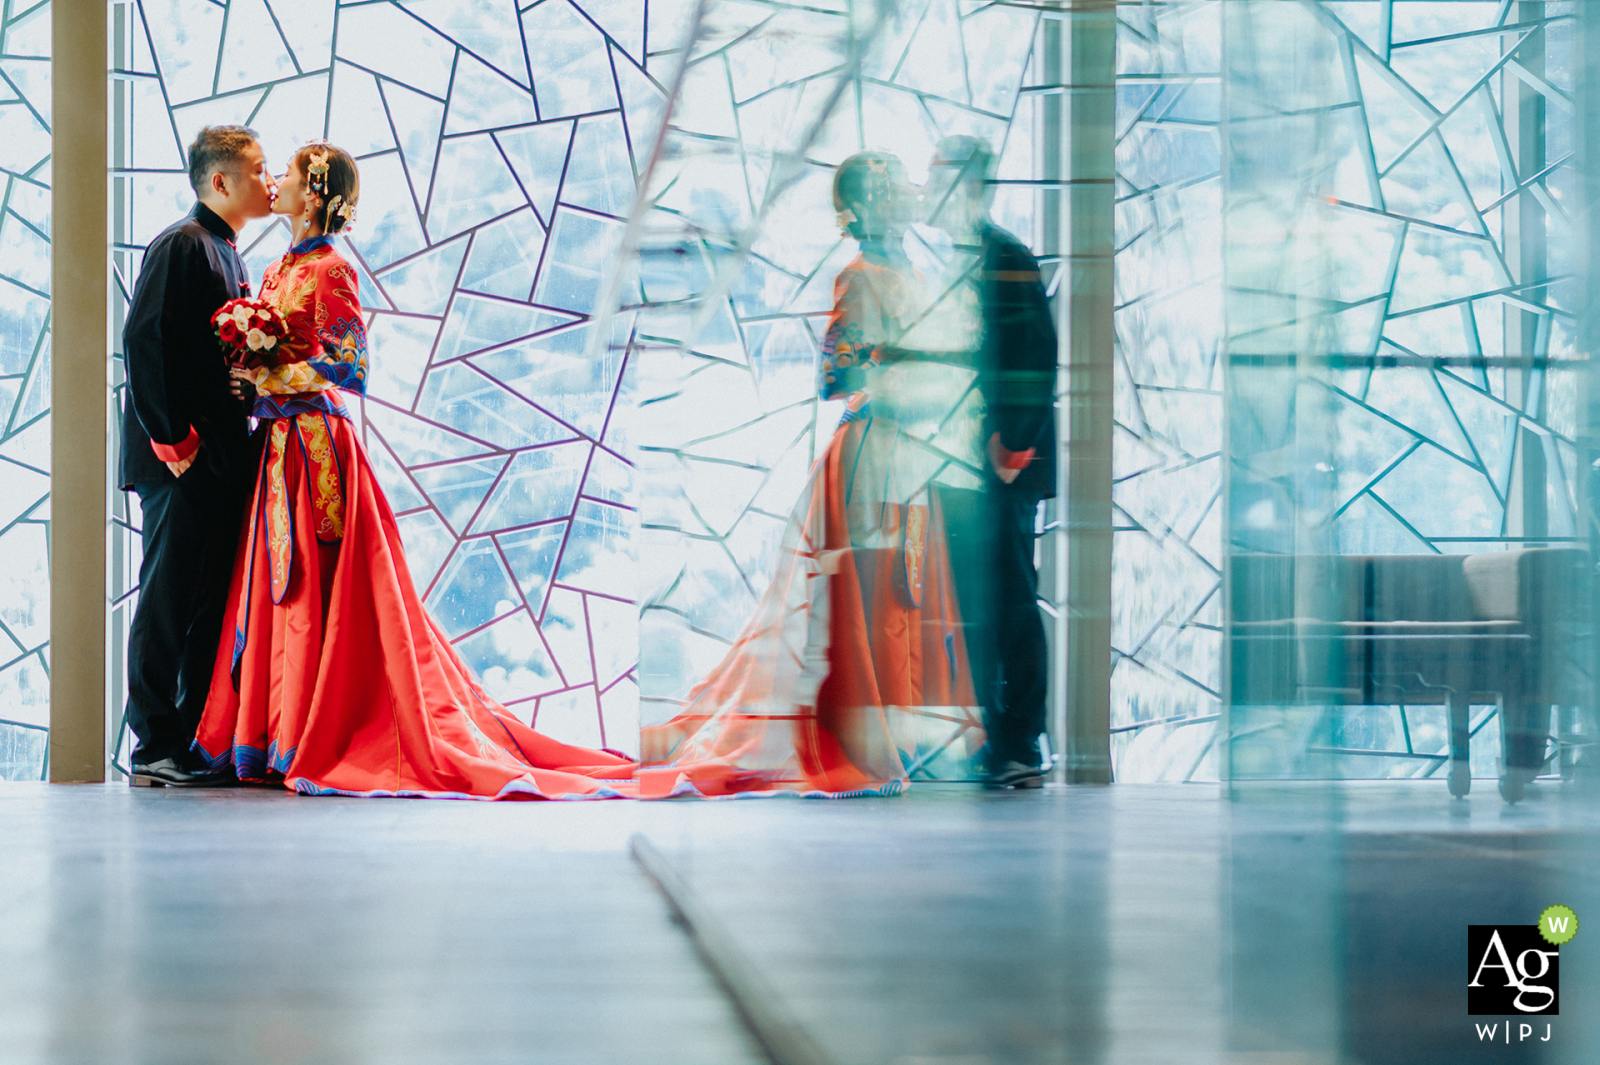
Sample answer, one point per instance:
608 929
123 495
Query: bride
336 681
853 672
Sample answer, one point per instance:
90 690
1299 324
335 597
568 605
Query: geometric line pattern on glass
736 247
497 146
1468 199
1166 628
1438 140
1449 129
24 388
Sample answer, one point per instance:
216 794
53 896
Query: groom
186 449
991 531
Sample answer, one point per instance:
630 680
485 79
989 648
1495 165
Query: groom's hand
1008 465
179 468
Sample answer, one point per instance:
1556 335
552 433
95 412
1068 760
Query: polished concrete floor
1290 924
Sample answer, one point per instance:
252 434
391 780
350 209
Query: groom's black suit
991 532
178 394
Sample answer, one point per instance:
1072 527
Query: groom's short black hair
974 157
217 148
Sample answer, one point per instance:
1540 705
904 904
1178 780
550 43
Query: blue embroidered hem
303 403
249 763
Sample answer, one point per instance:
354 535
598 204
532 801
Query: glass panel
24 390
739 249
1410 582
1399 379
463 170
1166 628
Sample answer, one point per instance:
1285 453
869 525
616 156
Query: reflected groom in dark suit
991 532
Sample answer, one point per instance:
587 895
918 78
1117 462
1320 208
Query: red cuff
1015 460
180 451
1008 460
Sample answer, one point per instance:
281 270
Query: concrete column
1086 336
79 398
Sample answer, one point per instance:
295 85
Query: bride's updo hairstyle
330 173
864 188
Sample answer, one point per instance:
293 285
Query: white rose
241 317
255 339
272 342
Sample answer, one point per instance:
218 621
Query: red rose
228 331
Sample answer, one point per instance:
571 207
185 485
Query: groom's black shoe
1014 775
177 773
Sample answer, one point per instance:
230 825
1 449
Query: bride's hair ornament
332 174
317 168
345 210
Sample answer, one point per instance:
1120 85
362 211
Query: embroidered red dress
336 680
852 675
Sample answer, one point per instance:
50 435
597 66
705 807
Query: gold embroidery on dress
280 530
291 289
327 496
292 298
301 287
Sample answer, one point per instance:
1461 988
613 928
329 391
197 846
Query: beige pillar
1086 334
79 398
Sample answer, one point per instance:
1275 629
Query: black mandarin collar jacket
1018 369
177 376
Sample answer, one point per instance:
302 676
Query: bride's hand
242 382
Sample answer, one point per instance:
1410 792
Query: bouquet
249 330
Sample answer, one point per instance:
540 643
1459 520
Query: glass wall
1410 577
739 246
498 145
1167 560
24 388
1347 365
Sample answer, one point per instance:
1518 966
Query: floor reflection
1291 924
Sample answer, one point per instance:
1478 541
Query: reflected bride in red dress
332 677
854 661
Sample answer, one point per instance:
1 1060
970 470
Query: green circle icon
1557 924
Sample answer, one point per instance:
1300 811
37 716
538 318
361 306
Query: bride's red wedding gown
852 673
336 680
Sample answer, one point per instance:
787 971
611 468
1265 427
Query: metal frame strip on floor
757 1003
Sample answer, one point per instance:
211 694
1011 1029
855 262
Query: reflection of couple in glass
278 636
904 598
